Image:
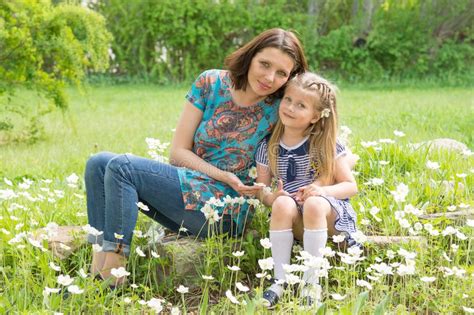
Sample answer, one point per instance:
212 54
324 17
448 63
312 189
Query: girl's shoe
271 299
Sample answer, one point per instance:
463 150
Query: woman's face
269 70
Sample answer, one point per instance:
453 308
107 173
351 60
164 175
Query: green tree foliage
42 48
353 40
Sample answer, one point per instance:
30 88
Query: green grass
119 118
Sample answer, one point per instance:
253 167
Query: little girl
314 181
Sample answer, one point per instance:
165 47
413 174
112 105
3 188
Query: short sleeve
261 156
340 149
200 90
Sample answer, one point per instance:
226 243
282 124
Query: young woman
227 113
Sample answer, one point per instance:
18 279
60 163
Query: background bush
350 40
42 48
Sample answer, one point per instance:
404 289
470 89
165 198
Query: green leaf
381 308
359 303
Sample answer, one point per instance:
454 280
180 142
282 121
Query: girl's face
269 70
297 110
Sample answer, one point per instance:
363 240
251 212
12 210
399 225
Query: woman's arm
182 154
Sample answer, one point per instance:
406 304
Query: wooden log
469 214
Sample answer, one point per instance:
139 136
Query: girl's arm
264 176
345 184
181 153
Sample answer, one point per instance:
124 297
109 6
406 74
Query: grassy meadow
397 181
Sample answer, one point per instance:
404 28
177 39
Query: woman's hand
233 181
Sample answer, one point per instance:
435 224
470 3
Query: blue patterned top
227 138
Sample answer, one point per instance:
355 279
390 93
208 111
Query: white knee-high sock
313 240
282 243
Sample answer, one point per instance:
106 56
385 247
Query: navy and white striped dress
294 170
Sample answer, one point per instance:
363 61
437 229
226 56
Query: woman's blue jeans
114 186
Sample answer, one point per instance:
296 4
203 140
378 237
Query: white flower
155 304
7 181
462 175
211 215
454 248
390 254
400 193
119 272
375 181
65 280
265 242
253 172
386 141
215 202
238 254
359 237
404 223
72 179
241 287
261 275
183 229
428 279
338 238
134 286
154 254
398 133
452 208
118 236
408 269
338 297
233 268
292 279
294 268
253 202
74 289
127 300
139 252
266 264
418 226
175 311
367 144
470 223
382 268
432 165
96 248
461 236
54 267
142 206
406 254
468 310
365 221
182 289
47 291
138 233
363 283
82 273
207 277
449 230
327 251
231 297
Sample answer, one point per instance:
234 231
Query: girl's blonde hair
322 134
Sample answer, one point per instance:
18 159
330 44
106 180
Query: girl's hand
233 181
310 190
277 193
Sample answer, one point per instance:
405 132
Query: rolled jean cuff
95 239
118 248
